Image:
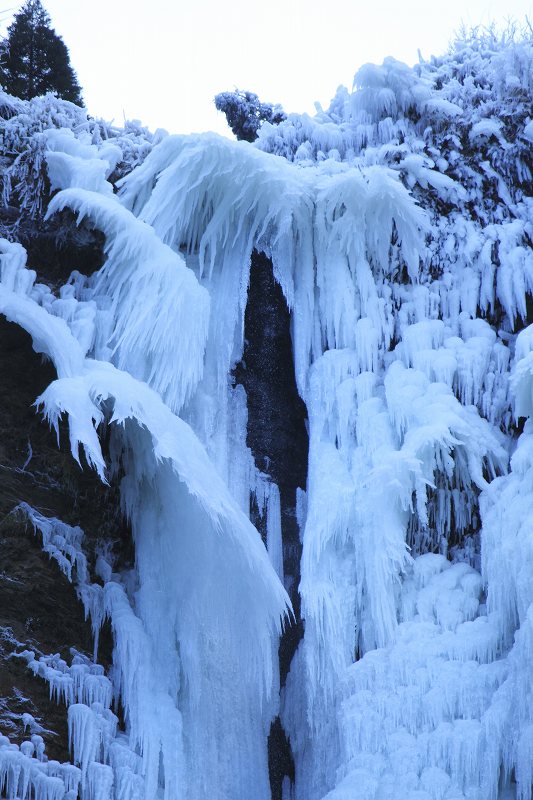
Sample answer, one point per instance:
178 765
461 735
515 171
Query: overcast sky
162 61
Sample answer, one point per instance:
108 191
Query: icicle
274 541
99 782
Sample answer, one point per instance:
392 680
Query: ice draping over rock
152 300
172 662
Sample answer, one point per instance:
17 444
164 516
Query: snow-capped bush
23 144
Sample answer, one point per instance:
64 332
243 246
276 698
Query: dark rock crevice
55 247
277 432
277 437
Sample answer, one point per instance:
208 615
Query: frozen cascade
398 225
172 665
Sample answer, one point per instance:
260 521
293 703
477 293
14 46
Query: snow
528 131
152 288
486 128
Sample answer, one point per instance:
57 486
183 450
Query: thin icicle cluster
105 764
25 772
61 542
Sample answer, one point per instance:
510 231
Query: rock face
277 437
39 609
60 245
277 434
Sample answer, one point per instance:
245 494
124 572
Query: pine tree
34 59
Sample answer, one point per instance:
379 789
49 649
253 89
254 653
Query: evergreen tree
34 59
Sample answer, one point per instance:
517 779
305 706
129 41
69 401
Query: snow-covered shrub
23 143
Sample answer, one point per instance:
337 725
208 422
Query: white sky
162 61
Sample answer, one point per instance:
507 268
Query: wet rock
39 609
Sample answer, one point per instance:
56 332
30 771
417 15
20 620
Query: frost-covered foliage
399 226
25 126
245 113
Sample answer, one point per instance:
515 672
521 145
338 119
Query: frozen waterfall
399 226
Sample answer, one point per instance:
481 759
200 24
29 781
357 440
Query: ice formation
399 226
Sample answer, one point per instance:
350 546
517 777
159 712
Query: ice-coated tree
245 113
34 59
